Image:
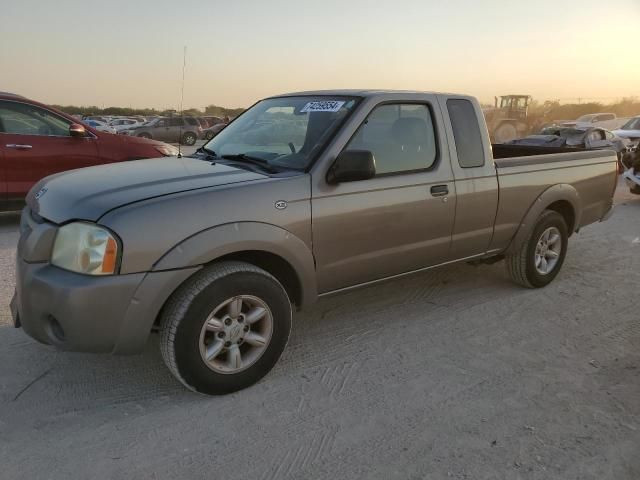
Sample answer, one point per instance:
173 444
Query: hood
88 193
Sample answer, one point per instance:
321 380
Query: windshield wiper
260 162
209 154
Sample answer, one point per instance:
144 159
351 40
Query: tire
189 138
186 318
208 135
144 135
635 190
505 133
521 265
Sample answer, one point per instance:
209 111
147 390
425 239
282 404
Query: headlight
167 150
85 248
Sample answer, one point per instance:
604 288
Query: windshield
284 132
633 124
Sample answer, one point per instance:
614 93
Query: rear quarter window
466 133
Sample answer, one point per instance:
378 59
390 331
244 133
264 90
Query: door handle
18 146
439 190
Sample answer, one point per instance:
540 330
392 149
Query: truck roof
362 93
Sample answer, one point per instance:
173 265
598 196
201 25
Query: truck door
400 220
475 177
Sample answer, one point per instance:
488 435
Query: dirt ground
455 373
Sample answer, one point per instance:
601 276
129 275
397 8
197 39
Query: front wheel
225 328
539 259
144 135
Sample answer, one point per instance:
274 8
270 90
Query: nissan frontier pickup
303 195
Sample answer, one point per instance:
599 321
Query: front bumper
69 310
83 312
90 314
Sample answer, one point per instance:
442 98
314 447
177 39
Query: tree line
214 110
554 110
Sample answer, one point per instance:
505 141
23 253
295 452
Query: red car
37 141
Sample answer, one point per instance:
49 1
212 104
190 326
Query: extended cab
302 195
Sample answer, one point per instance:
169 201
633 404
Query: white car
100 126
120 124
608 121
630 130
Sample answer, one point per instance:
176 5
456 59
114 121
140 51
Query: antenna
184 66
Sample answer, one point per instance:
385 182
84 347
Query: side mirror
352 166
77 130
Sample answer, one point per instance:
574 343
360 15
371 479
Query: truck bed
525 173
501 150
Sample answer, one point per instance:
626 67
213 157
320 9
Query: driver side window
400 136
23 119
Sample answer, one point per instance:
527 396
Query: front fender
555 193
216 242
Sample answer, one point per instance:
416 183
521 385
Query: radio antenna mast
184 66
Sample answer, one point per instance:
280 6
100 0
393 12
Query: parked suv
185 130
37 141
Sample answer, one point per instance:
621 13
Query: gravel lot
454 373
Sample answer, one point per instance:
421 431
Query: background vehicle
209 133
202 122
97 118
37 141
216 248
119 124
185 130
212 120
602 120
587 138
630 130
100 126
508 120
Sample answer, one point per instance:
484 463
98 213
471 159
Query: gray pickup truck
303 195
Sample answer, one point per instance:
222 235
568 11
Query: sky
130 53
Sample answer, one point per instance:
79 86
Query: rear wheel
189 138
144 135
225 328
208 135
635 190
539 259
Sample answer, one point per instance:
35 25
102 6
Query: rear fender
556 193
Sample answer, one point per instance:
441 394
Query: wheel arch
562 198
273 264
274 249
